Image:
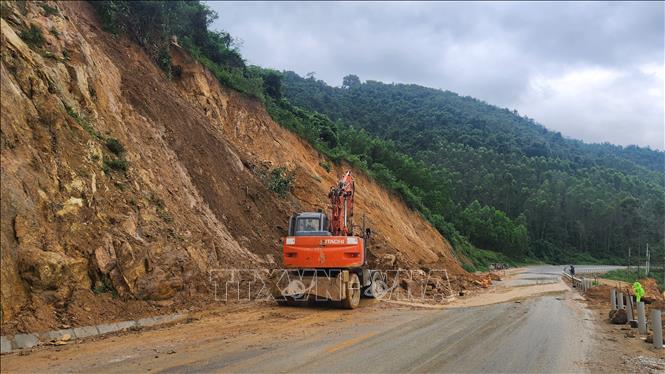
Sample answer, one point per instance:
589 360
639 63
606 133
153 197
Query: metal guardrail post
657 328
613 298
641 319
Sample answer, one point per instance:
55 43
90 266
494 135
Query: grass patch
83 122
33 37
115 164
632 275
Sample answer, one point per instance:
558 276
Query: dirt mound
651 291
121 188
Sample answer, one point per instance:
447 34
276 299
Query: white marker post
620 301
657 328
641 319
629 308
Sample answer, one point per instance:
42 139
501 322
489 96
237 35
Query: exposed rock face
190 198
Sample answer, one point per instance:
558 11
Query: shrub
115 146
280 181
49 10
33 37
83 122
115 164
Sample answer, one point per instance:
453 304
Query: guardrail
634 312
595 269
582 284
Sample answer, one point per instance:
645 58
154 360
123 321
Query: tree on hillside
351 81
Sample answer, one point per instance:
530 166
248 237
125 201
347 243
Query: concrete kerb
57 335
23 341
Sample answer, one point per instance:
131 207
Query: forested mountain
484 176
494 174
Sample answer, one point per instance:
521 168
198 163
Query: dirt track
539 331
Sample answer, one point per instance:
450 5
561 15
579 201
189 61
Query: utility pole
639 259
648 262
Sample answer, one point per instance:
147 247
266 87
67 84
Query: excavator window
308 224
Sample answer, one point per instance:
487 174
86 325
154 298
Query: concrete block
5 345
57 335
25 340
85 331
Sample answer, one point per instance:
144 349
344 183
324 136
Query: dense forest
573 198
498 185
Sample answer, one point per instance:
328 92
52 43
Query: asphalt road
542 335
545 334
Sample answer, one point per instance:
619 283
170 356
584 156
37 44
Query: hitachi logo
332 241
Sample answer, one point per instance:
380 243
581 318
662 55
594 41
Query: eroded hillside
122 189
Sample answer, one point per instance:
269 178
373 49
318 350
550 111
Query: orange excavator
324 258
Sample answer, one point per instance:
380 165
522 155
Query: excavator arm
341 206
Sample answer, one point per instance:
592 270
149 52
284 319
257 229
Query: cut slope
193 196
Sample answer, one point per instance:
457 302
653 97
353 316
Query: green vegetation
83 122
152 23
115 164
115 146
632 275
281 180
33 37
326 166
499 186
502 180
104 285
49 10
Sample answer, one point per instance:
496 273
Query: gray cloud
590 70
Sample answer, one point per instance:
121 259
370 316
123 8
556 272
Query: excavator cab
309 224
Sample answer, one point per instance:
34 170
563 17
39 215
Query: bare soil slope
85 241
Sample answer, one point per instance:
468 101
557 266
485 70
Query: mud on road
532 331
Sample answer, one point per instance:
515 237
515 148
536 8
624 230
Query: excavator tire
376 288
352 299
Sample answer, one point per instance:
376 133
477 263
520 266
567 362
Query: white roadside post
613 298
629 308
657 328
620 301
641 318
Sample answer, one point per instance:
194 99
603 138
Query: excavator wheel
377 288
352 299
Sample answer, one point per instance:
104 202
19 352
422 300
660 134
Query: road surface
549 333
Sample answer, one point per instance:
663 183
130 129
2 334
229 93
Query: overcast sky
593 71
